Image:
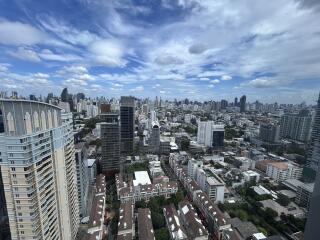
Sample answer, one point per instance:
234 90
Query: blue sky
200 49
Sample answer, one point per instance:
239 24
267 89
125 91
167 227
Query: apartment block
38 170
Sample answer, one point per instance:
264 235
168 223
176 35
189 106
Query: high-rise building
312 225
314 153
224 104
243 100
296 126
38 170
110 142
82 177
236 102
127 124
269 132
210 134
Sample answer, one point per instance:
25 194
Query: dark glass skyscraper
110 143
243 100
127 124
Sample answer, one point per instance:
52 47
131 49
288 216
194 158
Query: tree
270 213
158 220
185 144
141 204
162 234
283 200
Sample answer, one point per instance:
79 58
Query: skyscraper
314 154
110 143
236 102
127 124
269 132
312 226
210 134
38 169
296 126
243 103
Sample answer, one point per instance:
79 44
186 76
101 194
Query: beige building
38 170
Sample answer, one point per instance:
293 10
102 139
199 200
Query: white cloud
26 54
16 33
211 74
108 53
41 75
47 54
226 78
3 68
262 83
214 81
137 89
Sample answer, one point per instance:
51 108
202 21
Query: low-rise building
96 227
126 228
145 228
281 171
192 222
304 194
176 230
251 176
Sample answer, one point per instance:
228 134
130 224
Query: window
28 123
19 214
13 169
10 121
43 121
49 119
36 120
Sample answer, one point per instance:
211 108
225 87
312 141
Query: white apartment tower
39 171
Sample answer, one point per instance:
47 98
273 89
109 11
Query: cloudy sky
200 49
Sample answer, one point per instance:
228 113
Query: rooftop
145 227
141 177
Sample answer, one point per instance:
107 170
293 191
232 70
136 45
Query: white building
38 170
250 176
281 171
193 165
211 184
210 134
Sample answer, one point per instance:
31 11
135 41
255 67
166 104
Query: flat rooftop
141 178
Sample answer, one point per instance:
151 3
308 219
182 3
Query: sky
268 50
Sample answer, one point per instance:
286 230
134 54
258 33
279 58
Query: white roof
259 236
141 177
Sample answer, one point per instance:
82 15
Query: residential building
145 228
193 165
296 126
92 170
96 227
269 132
110 142
127 124
176 230
281 171
38 170
191 222
211 184
304 194
126 226
82 177
251 176
314 152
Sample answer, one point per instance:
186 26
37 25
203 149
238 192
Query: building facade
314 153
296 126
82 177
38 170
110 142
127 124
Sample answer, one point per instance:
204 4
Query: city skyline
201 50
